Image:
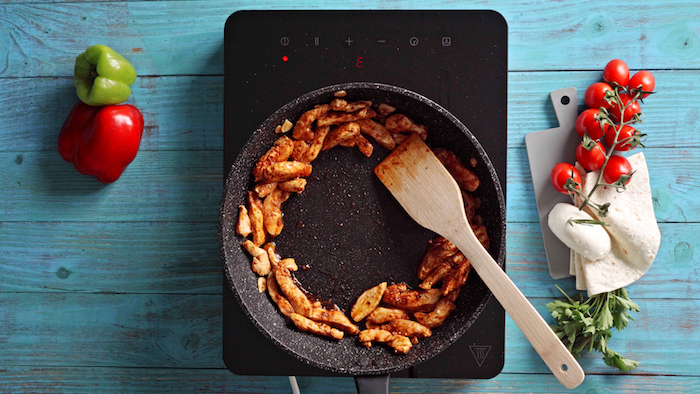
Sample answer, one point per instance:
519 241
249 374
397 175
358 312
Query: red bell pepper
101 141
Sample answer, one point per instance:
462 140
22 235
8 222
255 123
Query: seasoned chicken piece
296 185
435 318
374 335
334 118
385 109
243 226
274 291
296 297
343 106
280 151
289 264
272 211
367 302
302 129
255 213
316 144
411 300
336 319
436 275
286 170
481 235
382 315
299 150
439 251
465 177
471 204
305 324
400 138
344 132
363 145
401 344
272 254
452 296
378 132
261 261
407 328
262 189
402 124
458 276
262 284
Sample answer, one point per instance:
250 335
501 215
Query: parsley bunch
586 324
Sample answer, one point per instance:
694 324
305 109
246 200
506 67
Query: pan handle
374 384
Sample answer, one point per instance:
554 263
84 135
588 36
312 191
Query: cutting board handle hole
564 367
565 100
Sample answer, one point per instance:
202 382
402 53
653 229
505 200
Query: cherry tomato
590 159
561 173
616 73
631 109
587 121
616 167
626 132
643 80
595 95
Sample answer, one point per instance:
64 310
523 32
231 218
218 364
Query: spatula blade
422 185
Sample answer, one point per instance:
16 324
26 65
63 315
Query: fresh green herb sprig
587 324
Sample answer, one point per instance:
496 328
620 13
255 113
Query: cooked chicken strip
382 315
296 185
296 297
316 144
305 324
378 132
480 232
345 132
385 109
407 328
334 118
458 276
401 344
262 189
243 226
286 170
272 254
439 251
274 291
465 177
471 204
374 335
280 151
299 150
302 129
435 318
262 284
261 261
436 275
272 211
343 106
367 302
411 300
400 123
336 319
363 145
255 213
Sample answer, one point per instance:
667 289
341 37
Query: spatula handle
557 357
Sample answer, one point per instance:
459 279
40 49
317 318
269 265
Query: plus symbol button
349 41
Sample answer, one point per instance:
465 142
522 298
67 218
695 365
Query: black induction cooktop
456 58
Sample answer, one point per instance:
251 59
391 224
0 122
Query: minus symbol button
381 41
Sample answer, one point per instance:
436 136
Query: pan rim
226 226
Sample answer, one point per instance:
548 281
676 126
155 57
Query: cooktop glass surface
456 58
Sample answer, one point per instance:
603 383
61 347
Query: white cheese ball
589 240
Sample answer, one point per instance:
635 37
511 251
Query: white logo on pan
480 352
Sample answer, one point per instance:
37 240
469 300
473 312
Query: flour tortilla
633 231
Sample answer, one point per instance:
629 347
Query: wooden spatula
427 191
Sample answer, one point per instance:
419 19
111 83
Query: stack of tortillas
633 231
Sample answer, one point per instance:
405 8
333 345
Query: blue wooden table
118 287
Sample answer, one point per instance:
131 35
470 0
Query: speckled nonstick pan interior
349 233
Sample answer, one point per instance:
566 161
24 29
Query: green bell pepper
103 76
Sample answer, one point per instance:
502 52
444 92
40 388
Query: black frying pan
349 233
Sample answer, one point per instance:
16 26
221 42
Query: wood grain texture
541 37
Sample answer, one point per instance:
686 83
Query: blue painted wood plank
184 257
152 380
186 185
186 112
184 331
184 37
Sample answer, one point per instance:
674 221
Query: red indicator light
285 58
358 62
